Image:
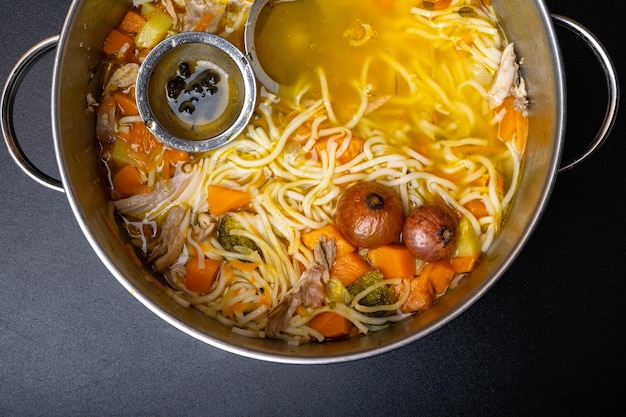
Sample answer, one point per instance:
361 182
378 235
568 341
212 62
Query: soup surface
361 192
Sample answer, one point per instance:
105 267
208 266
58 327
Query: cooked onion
430 232
370 214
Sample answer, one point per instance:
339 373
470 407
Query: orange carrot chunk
353 149
436 4
420 294
201 279
126 103
204 22
331 325
175 155
118 46
394 261
521 134
463 264
477 208
243 307
140 135
132 23
507 126
224 199
348 268
244 266
513 125
127 181
312 238
440 274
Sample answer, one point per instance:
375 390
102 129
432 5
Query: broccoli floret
230 242
381 296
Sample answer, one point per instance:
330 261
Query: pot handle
6 106
612 86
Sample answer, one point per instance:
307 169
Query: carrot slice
127 181
243 266
484 180
176 155
132 23
140 135
204 22
118 46
173 157
201 279
224 199
243 307
394 261
436 4
477 208
521 134
348 268
513 125
463 264
440 274
420 294
126 103
312 238
331 325
354 148
507 126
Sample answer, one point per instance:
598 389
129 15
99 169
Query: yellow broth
391 91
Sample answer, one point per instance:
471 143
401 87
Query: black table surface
545 340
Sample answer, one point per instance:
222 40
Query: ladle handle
6 107
612 86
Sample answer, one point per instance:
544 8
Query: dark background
547 339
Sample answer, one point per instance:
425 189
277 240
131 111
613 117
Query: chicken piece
169 8
505 77
106 127
171 238
153 204
375 104
309 291
124 77
508 82
196 10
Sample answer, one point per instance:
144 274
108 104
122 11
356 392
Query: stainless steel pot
527 22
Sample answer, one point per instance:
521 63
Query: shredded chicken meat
171 238
194 11
308 291
508 82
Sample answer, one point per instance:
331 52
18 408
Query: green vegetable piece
154 30
336 292
233 243
469 243
381 296
467 11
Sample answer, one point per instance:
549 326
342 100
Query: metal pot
527 22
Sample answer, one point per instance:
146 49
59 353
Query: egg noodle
423 114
